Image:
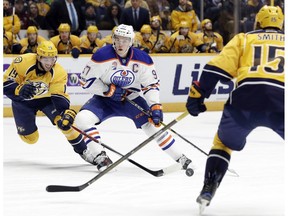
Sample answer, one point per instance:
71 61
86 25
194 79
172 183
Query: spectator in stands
43 7
35 19
97 3
159 38
11 22
162 5
166 19
66 42
91 17
212 9
89 43
185 41
30 43
112 18
143 4
135 15
250 9
8 41
22 12
101 10
225 23
213 40
66 11
153 7
184 12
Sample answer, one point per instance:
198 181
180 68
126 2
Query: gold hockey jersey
255 61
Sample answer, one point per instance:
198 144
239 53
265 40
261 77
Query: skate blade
202 205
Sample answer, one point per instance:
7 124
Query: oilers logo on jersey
122 78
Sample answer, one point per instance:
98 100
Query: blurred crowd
161 26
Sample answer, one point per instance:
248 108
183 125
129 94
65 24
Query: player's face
155 24
208 26
184 31
47 62
92 36
32 38
64 36
121 45
146 36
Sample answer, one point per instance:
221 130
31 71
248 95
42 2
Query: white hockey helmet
124 31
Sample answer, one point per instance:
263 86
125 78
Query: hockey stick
63 188
202 151
156 173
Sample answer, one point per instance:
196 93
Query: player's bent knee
31 138
217 144
85 119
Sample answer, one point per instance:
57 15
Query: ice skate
102 161
186 165
206 194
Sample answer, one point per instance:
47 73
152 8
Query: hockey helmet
64 27
32 30
204 22
184 24
270 16
146 29
47 49
156 18
125 31
92 29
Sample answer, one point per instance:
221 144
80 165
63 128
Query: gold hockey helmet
146 29
47 49
204 22
184 24
155 18
32 30
64 27
92 29
270 16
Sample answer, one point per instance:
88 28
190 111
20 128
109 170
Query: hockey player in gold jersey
90 43
255 60
28 44
212 39
185 41
36 82
65 42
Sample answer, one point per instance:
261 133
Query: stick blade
62 188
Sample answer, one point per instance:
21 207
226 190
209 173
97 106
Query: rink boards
176 72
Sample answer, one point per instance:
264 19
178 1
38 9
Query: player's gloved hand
156 115
116 93
75 52
25 91
195 102
67 119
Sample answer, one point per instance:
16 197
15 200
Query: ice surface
128 190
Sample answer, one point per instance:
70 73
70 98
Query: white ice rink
128 190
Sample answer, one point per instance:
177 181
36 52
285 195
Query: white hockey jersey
136 73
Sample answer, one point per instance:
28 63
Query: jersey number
271 59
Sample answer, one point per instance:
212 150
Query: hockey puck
189 172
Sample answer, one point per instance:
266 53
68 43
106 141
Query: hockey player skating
36 82
256 61
117 71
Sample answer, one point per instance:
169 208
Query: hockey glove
67 119
25 91
156 115
195 103
116 93
75 52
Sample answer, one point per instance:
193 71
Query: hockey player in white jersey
114 72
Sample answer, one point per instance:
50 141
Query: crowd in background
179 28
